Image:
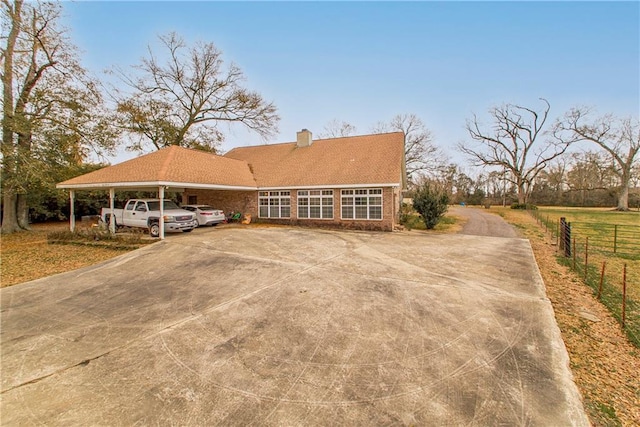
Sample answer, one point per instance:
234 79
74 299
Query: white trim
354 206
330 186
268 198
321 196
112 218
145 184
72 214
161 203
195 186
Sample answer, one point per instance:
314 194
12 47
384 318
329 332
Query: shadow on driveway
281 326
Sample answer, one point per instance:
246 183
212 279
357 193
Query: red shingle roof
356 160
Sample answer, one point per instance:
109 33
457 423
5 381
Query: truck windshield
168 204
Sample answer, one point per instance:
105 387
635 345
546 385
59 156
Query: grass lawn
594 215
595 234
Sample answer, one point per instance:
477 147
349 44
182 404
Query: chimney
304 138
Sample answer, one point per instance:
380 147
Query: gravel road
482 223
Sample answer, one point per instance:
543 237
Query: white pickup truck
145 213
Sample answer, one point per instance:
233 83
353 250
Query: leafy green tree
431 202
52 109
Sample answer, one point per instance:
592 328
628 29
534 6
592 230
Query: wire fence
607 258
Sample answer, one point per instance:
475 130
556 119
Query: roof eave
312 187
152 184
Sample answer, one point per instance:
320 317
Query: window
168 204
274 204
192 200
362 203
315 204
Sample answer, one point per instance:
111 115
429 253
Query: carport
170 169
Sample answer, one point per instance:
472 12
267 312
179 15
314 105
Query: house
350 182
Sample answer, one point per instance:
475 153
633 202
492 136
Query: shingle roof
173 164
358 160
367 159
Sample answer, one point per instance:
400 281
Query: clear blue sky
363 62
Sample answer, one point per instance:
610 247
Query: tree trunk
9 217
22 212
522 194
623 198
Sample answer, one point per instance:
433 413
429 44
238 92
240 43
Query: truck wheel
154 229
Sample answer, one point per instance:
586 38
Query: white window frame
368 194
320 196
274 199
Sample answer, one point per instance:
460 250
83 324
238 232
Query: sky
365 62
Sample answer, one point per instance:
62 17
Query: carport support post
161 197
72 214
112 218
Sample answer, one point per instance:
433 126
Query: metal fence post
586 258
624 294
565 237
604 263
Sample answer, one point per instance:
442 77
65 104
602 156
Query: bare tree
589 178
422 156
619 138
45 92
337 129
514 143
550 184
182 100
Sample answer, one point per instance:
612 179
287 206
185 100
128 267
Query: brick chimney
304 138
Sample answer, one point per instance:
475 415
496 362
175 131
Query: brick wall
246 202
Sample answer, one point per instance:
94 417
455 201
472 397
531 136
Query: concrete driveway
280 326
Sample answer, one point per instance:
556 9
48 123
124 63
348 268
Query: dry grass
604 363
27 256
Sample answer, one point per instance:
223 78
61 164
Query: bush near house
431 202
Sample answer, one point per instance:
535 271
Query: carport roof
172 166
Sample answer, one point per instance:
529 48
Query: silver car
206 215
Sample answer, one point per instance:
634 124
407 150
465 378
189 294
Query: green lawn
613 232
603 237
593 215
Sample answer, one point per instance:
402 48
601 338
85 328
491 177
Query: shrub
406 213
97 237
431 202
523 206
